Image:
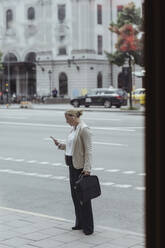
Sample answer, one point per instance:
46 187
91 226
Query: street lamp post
7 84
50 81
130 81
1 88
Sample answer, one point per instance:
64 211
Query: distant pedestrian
54 92
78 155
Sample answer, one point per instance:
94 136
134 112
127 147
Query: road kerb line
67 220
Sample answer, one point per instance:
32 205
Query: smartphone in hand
56 142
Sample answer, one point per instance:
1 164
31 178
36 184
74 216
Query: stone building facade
60 44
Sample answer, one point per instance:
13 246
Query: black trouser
84 215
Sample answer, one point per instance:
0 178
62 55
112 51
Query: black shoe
88 233
76 228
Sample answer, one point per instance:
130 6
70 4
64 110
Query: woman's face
71 120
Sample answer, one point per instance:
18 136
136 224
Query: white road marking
32 124
129 172
64 178
29 174
109 144
19 159
44 175
122 185
140 188
101 119
32 161
113 170
44 162
59 177
107 183
11 159
142 174
122 129
8 159
125 129
57 164
96 143
14 117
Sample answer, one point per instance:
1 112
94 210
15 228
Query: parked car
139 95
106 97
25 102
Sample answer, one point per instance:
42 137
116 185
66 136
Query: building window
99 80
31 57
62 37
62 51
61 12
9 18
63 84
31 13
99 44
99 14
10 57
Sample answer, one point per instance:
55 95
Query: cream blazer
82 148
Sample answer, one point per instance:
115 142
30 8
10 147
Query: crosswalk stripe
64 178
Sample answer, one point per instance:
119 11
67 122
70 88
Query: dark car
106 97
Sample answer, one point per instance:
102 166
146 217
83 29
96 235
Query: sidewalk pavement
64 107
22 229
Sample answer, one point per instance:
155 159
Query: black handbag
87 187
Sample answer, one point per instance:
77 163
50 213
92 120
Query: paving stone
36 236
67 237
53 231
126 242
108 245
18 223
16 242
47 243
28 229
138 246
77 244
7 235
5 246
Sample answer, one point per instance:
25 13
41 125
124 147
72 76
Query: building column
83 30
17 80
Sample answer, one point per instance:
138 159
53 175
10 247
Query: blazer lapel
76 135
78 130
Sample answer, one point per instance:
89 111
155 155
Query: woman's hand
56 142
86 173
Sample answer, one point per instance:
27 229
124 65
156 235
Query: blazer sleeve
86 136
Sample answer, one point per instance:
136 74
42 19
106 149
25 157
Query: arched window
99 80
63 84
31 13
9 18
10 57
30 57
61 12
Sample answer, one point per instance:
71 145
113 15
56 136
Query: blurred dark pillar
155 124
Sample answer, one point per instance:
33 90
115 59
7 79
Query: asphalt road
33 175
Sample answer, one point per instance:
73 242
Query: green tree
1 67
129 36
129 45
1 73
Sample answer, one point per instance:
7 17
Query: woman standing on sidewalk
78 156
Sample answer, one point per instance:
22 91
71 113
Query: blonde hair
74 112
